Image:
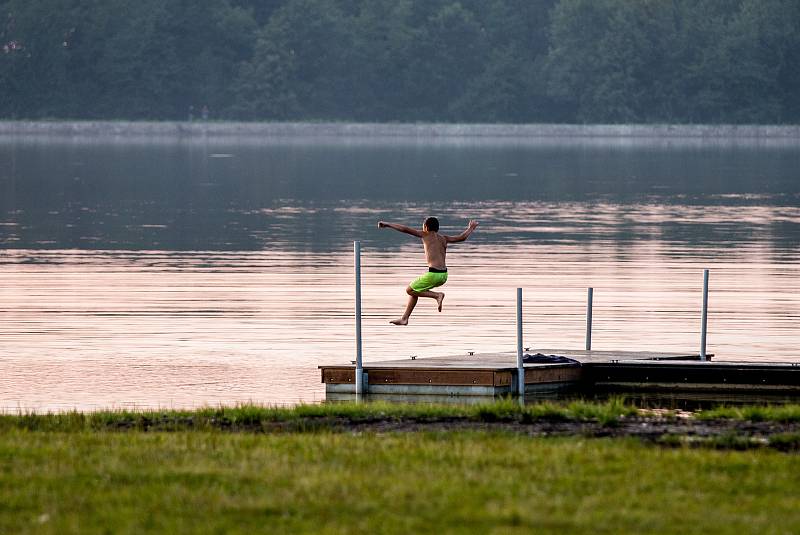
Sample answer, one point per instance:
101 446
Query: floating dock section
551 371
495 374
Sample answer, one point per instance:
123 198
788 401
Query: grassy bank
339 468
753 413
315 417
444 482
337 416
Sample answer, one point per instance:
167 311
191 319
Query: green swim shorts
428 281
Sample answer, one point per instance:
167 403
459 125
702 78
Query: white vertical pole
359 367
589 296
704 321
520 366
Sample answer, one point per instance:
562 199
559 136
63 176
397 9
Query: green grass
450 482
315 417
754 413
184 471
334 415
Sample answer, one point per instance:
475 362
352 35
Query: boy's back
435 249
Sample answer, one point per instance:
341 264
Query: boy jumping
435 251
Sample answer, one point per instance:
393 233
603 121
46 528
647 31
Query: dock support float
359 364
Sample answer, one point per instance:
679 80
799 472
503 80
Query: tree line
563 61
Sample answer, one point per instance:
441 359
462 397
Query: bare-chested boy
435 251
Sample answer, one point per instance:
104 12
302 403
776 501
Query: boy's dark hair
432 224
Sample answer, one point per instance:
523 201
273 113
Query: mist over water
180 273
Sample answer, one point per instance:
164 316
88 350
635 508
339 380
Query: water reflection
179 274
183 196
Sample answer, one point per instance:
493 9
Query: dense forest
564 61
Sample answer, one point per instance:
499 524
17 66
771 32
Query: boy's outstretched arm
464 235
400 228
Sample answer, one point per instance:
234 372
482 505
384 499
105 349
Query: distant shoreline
187 129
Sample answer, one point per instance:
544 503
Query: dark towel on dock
539 358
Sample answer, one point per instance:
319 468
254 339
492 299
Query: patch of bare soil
671 432
676 430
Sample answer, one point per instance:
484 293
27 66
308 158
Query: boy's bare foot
401 321
439 300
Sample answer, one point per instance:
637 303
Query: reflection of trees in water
320 197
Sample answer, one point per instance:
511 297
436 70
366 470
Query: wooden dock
495 374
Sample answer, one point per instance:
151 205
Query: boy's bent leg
439 296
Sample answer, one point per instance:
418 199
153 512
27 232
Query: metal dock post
520 366
589 296
704 320
359 365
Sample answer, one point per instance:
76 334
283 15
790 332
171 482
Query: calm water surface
176 273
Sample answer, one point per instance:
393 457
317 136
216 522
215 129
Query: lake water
178 273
